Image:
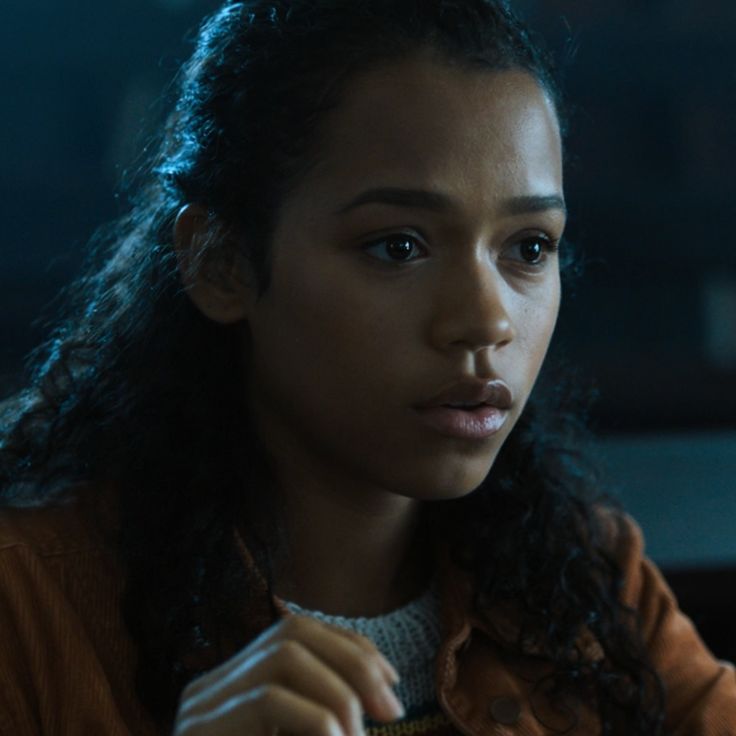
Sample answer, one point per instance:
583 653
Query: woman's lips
471 423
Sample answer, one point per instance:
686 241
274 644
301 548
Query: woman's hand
301 676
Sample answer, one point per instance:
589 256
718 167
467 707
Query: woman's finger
288 664
363 667
261 712
371 650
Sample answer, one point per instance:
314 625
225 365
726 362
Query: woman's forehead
423 124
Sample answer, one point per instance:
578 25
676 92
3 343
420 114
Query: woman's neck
349 553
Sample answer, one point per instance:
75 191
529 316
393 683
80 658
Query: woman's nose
472 312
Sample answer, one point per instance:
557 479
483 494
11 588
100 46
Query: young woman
288 463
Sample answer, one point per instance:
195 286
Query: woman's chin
446 481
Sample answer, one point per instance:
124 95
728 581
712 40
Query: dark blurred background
650 184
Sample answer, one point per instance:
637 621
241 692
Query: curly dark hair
132 369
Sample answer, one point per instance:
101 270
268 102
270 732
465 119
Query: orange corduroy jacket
67 662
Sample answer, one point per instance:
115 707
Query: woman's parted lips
472 392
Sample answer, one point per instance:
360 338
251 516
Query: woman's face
379 302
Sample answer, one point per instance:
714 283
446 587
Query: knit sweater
409 638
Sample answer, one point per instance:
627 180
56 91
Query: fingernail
393 704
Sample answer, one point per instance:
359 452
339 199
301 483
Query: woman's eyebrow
438 202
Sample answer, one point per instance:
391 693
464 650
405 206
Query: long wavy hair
136 389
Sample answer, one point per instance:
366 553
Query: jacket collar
459 617
454 585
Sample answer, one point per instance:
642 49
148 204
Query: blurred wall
652 89
681 489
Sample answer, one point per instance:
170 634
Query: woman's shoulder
623 540
701 690
60 608
619 533
47 530
65 527
55 563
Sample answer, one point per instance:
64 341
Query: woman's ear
215 276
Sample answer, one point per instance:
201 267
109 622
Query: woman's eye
397 248
535 249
